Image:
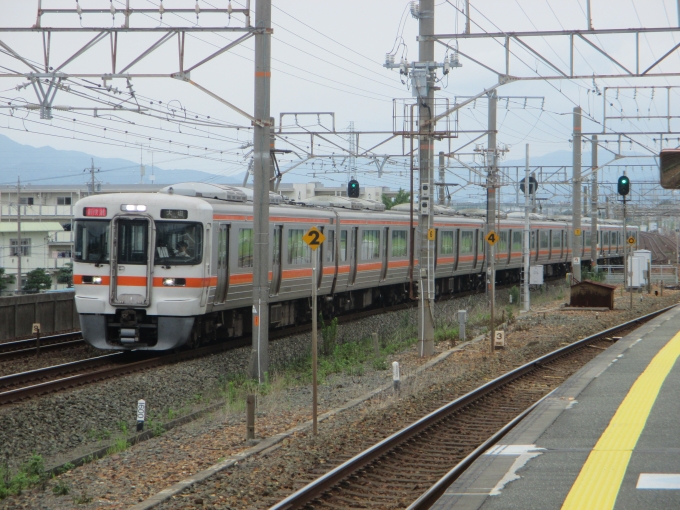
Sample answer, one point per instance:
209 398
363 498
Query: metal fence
660 273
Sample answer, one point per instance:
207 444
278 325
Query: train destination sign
314 238
491 238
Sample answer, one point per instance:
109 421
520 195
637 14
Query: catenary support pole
593 206
425 160
259 360
442 177
577 244
19 251
526 242
491 211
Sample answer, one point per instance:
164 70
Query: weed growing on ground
123 427
30 473
119 445
329 335
83 498
61 488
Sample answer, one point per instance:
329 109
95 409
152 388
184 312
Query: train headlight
133 208
174 282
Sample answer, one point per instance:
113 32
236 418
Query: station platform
608 438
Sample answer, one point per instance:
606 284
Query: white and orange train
158 271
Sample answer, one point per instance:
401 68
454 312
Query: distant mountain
47 165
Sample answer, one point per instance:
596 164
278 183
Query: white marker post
396 379
36 330
314 238
141 415
462 318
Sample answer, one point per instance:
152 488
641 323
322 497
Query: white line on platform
659 481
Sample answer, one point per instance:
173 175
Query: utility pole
526 245
92 170
18 234
576 197
593 205
442 177
425 70
259 359
491 210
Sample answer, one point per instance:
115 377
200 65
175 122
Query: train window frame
343 245
447 242
195 244
396 249
463 241
298 253
370 244
503 243
517 241
543 235
76 252
556 236
244 257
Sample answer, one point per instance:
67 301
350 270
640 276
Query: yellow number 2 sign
314 238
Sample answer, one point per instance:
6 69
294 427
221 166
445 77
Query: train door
276 260
131 260
222 263
385 253
353 258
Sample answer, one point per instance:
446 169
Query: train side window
398 243
298 251
245 247
516 240
605 239
533 239
544 239
556 238
343 246
467 238
502 243
330 246
586 237
370 244
446 242
277 246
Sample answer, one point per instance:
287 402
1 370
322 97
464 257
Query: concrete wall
55 312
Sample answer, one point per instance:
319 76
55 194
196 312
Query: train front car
141 269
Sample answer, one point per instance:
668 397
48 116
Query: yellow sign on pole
577 231
431 234
491 238
314 238
631 240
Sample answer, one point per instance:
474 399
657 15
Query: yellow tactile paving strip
598 483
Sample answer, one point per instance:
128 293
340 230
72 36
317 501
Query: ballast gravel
125 478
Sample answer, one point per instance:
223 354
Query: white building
43 244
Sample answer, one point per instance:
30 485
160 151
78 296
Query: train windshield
178 243
92 241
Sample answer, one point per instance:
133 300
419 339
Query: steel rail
125 368
322 484
15 348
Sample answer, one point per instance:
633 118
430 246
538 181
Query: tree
65 274
5 279
402 197
37 280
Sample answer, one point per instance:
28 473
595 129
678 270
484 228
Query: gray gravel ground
125 478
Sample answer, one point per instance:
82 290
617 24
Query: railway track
21 386
27 347
414 466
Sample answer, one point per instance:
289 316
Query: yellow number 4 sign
314 238
491 238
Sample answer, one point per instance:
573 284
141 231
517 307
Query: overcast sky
327 56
